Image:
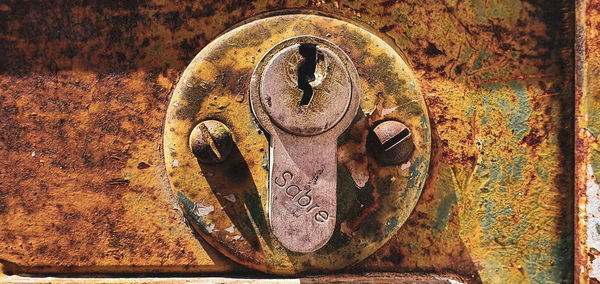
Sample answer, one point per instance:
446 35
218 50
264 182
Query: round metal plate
226 203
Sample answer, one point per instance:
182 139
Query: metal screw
211 142
391 142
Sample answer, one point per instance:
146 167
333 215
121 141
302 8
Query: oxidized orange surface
83 95
587 154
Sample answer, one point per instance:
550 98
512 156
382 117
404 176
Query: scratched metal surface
84 90
587 265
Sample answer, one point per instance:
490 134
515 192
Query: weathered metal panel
84 89
587 154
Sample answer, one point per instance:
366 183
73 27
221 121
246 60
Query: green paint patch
415 172
492 87
519 117
550 262
490 220
188 209
495 167
592 96
542 173
444 210
445 193
593 122
595 161
518 165
470 111
481 57
390 225
497 9
484 121
445 188
425 125
384 67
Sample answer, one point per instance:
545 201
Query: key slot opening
306 71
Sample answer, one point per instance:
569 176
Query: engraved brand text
300 197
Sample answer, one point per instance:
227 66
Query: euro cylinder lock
297 143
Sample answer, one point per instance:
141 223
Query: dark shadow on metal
235 189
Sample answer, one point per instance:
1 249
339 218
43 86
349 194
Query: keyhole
306 71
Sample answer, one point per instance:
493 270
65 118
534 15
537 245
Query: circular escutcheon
227 202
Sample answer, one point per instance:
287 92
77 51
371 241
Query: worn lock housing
304 123
240 205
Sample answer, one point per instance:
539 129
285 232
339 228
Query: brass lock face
297 143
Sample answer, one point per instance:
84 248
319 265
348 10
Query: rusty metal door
508 91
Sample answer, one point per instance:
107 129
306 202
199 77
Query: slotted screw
391 142
211 141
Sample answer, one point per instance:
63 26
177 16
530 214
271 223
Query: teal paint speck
484 120
470 111
490 219
188 208
518 168
447 199
390 225
482 56
519 117
492 87
425 124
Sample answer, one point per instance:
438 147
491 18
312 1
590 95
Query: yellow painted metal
587 154
227 203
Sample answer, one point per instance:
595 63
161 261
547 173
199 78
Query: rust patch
85 87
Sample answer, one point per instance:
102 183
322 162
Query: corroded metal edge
587 92
580 257
381 277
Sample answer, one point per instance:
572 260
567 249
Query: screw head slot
211 142
391 142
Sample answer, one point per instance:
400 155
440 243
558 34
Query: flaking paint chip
201 210
210 228
230 197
